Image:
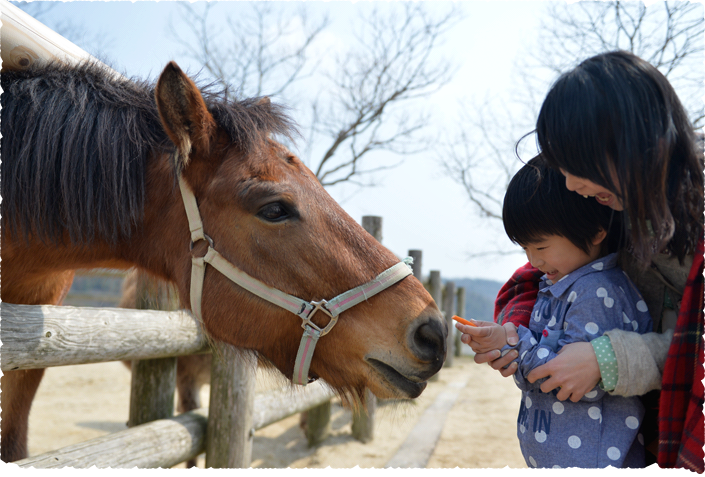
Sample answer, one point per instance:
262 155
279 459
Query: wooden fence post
153 381
417 255
436 291
230 415
448 312
363 422
460 311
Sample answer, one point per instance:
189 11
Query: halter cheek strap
305 310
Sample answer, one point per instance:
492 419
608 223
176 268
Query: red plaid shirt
516 298
680 418
681 427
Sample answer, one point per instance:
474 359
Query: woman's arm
640 360
574 370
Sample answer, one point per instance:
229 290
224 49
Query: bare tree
483 157
359 104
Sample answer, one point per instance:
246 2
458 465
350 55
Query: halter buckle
319 305
206 238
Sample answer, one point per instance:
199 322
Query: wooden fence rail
42 336
167 442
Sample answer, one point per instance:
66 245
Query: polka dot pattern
613 453
607 361
602 293
632 422
560 434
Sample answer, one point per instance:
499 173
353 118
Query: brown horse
90 178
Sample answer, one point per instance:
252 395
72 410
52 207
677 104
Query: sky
421 208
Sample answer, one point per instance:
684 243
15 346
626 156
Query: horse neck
155 245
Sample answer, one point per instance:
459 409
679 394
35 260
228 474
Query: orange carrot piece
463 321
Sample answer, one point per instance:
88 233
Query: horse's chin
398 384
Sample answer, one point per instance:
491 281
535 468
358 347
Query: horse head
267 214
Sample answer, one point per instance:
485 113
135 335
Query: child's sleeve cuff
607 361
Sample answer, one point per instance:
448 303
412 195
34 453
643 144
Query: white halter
305 310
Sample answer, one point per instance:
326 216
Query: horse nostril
429 341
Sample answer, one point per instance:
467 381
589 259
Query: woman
617 131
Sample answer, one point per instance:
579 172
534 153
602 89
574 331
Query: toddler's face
556 256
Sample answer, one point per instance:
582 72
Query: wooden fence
45 336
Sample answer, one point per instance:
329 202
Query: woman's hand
574 370
492 355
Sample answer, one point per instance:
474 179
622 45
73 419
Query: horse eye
274 212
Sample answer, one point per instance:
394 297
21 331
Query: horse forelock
76 142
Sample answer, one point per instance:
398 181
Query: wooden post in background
460 311
436 291
364 418
153 381
230 415
417 255
318 423
448 312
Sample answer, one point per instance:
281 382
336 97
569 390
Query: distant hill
479 296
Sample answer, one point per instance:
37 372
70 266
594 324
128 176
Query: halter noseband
305 310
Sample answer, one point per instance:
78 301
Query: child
582 294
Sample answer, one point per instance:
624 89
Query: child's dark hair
538 204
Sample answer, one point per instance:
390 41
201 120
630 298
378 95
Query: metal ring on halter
319 305
207 238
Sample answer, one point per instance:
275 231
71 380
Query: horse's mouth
400 383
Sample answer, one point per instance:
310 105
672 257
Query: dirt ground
77 403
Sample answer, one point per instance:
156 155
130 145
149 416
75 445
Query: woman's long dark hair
617 121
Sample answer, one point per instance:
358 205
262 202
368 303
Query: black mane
75 143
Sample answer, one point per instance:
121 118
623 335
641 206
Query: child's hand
484 337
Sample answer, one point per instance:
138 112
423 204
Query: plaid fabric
516 298
680 418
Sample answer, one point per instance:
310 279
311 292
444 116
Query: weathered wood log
435 288
153 383
363 420
448 312
167 442
417 255
279 404
232 395
318 428
41 336
460 311
161 443
26 41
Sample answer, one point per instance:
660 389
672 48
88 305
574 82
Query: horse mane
75 144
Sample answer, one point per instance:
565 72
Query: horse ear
183 113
